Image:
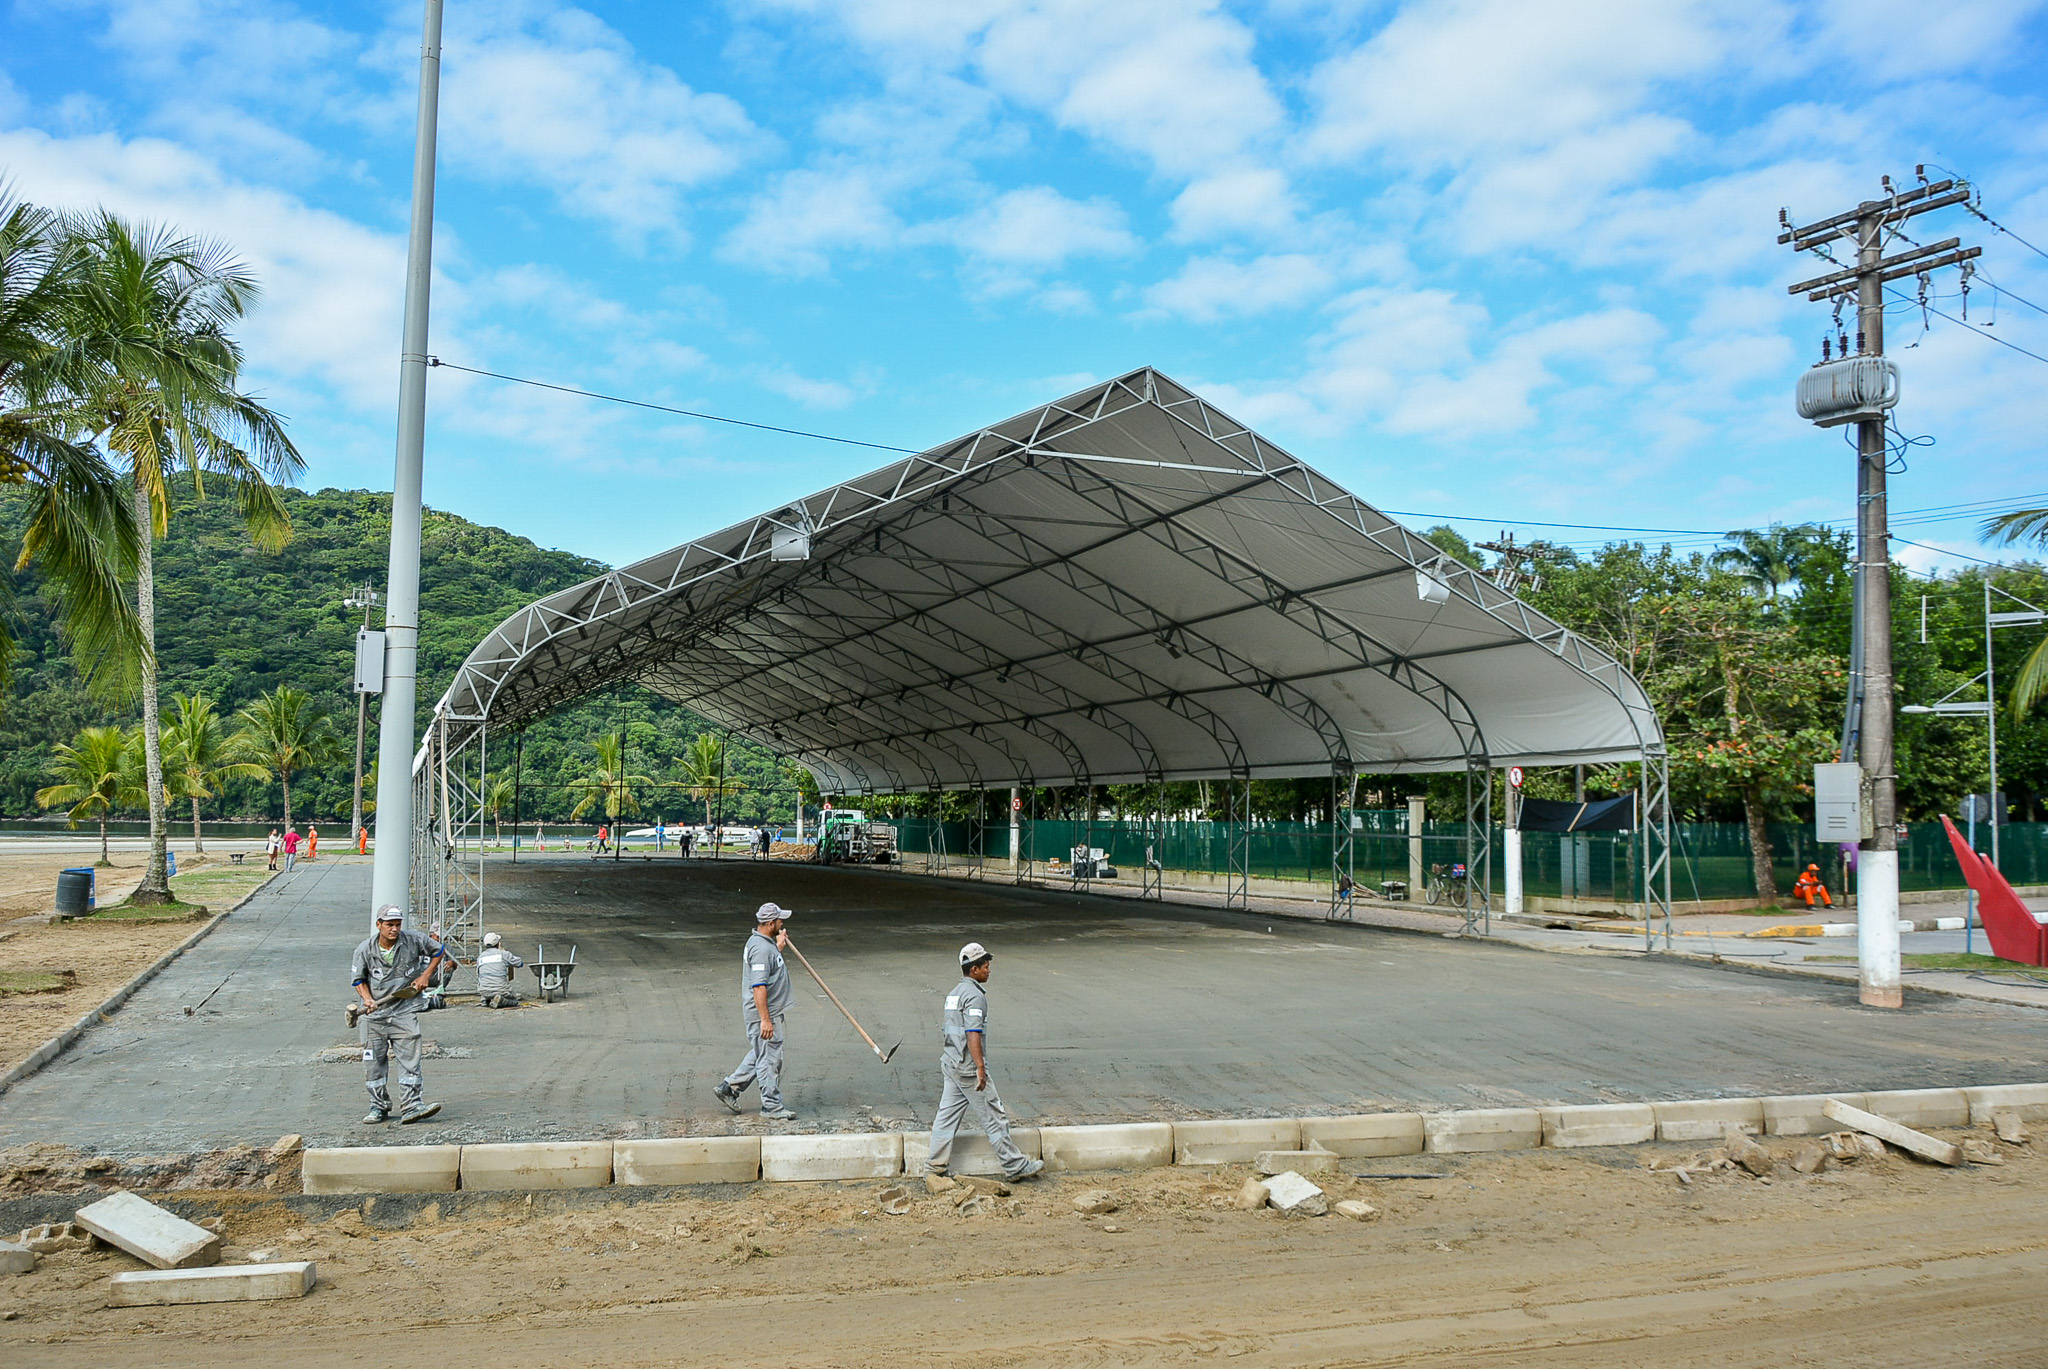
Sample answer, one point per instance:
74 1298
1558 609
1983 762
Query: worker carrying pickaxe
1809 884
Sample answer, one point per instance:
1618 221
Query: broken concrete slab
531 1166
1802 1114
1096 1202
1251 1197
222 1283
863 1155
1123 1145
1981 1152
284 1147
972 1153
688 1160
2029 1102
1483 1129
1354 1209
149 1233
1707 1119
1749 1154
1365 1134
1599 1124
1300 1161
1292 1194
1811 1158
2010 1129
1232 1141
1893 1133
1921 1109
381 1169
16 1259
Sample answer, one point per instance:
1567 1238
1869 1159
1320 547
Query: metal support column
1237 881
1153 878
1654 809
1343 862
1478 845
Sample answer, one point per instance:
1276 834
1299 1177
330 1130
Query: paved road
1101 1012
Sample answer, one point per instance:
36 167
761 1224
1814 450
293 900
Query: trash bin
170 863
74 892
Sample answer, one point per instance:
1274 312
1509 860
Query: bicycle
1448 883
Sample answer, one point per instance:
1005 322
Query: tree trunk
156 883
284 777
105 859
1759 843
198 841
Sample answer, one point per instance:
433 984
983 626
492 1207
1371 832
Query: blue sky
1503 258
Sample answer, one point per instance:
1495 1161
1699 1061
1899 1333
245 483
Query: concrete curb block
858 1156
1233 1141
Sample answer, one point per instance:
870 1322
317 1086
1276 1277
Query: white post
1513 852
1016 813
799 818
391 877
1416 807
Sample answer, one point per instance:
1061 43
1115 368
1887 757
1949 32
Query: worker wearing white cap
764 999
494 969
963 1072
389 962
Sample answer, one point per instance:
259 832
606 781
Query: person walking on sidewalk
963 1073
271 846
391 959
312 842
764 999
291 848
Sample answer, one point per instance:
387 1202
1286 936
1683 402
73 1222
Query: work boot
418 1113
1031 1170
376 1117
778 1114
727 1095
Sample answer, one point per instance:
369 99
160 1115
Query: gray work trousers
762 1064
499 998
956 1099
383 1039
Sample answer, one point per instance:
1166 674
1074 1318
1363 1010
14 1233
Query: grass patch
161 912
36 981
219 885
1939 960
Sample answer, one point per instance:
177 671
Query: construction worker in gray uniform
764 999
495 967
963 1071
388 961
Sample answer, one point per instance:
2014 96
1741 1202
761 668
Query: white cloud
1247 199
1210 288
1036 226
556 97
808 213
812 394
1902 39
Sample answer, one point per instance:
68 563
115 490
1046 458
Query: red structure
2013 930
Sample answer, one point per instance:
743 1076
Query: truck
845 834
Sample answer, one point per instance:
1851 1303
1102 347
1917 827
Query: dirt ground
1538 1258
101 955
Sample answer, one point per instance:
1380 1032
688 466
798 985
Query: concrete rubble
1749 1154
149 1233
1895 1133
1354 1209
1096 1202
16 1259
2009 1127
894 1200
1295 1196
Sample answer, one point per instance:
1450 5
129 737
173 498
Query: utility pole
1861 389
365 598
391 876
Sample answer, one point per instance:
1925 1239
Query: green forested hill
233 622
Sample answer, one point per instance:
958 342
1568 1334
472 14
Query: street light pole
365 598
391 878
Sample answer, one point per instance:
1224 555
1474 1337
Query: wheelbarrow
553 975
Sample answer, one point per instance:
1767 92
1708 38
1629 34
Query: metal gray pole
1997 815
368 597
1877 872
391 880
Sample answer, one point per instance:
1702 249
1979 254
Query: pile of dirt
27 1171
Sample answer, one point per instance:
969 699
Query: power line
670 409
1968 509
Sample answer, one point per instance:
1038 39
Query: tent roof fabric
1122 586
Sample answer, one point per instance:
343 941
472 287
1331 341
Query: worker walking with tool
764 1000
392 967
963 1072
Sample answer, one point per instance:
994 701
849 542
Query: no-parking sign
1016 805
1515 776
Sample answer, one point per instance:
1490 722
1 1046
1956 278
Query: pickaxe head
891 1051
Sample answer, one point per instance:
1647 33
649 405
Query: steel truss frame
1653 807
449 783
1343 862
1237 808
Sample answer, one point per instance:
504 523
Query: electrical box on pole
369 661
1841 803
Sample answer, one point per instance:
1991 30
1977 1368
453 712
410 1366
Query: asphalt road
1100 1011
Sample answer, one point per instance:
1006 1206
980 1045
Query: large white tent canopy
1122 586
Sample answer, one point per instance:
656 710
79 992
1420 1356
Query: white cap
390 912
493 939
768 912
972 952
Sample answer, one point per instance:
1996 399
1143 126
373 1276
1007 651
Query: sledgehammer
883 1054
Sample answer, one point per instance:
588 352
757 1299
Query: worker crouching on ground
494 969
963 1071
764 999
1809 884
391 969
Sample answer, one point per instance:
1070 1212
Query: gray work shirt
385 971
966 1012
761 964
494 967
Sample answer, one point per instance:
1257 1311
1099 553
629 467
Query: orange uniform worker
1809 884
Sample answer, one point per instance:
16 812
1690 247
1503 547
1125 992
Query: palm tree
81 531
503 794
96 773
199 757
157 376
704 774
1767 561
2026 525
609 786
284 732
